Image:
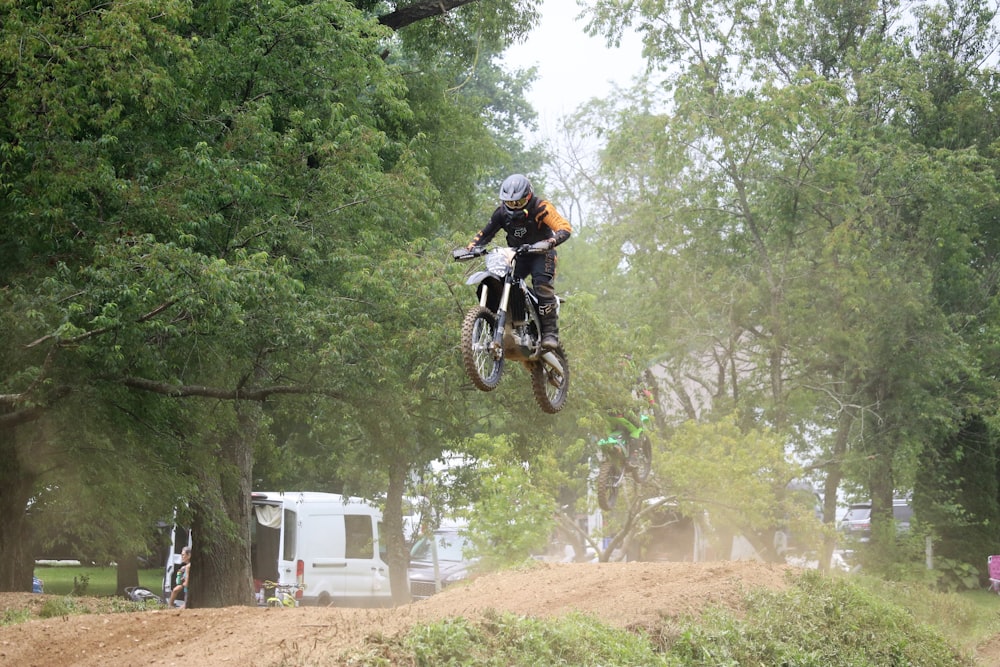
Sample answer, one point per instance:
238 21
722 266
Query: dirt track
621 594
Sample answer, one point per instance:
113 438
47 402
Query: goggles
516 204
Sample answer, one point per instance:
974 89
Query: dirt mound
621 594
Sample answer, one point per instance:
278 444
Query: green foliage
817 621
14 616
820 621
957 497
506 639
964 618
208 198
737 477
64 606
512 514
811 207
101 581
954 575
80 584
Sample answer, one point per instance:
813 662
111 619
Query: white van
326 543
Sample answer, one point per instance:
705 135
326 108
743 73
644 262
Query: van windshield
449 547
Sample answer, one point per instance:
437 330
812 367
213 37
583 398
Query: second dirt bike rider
529 220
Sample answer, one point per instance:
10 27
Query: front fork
497 347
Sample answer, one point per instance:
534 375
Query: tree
780 197
209 187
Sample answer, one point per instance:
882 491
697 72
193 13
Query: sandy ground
621 594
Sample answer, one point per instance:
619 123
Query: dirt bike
506 325
626 452
282 595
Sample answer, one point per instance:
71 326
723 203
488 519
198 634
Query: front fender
480 276
489 282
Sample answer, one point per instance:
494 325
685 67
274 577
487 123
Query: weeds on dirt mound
14 616
818 622
503 640
821 622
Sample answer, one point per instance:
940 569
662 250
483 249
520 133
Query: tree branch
422 9
252 394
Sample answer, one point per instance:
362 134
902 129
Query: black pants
542 269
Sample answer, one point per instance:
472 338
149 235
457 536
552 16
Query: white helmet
515 192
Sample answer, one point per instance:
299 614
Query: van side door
367 573
323 553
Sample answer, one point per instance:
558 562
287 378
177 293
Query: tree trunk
16 484
882 487
127 573
834 474
395 543
220 554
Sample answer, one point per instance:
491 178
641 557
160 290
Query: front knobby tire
550 385
609 480
644 460
478 329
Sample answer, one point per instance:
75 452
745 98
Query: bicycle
283 595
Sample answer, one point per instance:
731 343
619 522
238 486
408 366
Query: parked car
448 548
857 523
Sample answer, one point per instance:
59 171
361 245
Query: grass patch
966 618
91 580
502 640
14 616
818 622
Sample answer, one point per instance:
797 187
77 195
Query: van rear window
291 525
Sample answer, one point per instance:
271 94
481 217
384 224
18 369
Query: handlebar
530 249
465 254
283 587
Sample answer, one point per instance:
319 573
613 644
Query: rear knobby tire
609 480
478 328
550 386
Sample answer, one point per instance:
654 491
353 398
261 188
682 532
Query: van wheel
324 600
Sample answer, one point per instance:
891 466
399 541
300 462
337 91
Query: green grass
91 580
818 622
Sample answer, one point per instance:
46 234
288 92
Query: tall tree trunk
882 487
834 474
127 573
16 485
220 558
393 531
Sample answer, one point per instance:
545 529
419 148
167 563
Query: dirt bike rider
627 426
622 429
529 220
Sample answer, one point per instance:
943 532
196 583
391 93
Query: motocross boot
550 326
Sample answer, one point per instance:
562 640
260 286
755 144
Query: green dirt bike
625 453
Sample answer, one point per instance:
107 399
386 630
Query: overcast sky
572 67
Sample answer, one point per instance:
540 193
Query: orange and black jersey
537 221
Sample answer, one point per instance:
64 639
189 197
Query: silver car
857 523
438 560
